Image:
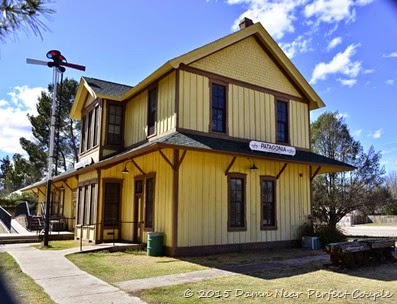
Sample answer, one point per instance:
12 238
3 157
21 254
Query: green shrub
325 233
328 234
306 229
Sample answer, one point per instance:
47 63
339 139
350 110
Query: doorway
138 212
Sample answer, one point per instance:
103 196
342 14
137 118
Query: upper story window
114 126
218 108
90 128
152 111
282 122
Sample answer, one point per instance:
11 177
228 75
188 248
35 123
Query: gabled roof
105 89
97 88
256 30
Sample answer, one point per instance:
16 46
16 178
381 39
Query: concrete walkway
370 230
62 280
65 283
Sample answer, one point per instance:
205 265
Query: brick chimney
245 22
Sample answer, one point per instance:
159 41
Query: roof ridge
112 82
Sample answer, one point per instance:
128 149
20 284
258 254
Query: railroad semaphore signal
58 65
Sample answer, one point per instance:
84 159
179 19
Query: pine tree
23 15
67 129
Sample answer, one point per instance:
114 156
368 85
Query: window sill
232 229
264 228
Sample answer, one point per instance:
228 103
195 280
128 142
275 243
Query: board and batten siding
194 103
203 209
153 165
251 113
135 126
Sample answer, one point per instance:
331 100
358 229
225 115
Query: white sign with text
272 148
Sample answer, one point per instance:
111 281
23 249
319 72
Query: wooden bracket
137 166
230 165
281 171
167 160
315 173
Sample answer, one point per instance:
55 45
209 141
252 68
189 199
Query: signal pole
57 65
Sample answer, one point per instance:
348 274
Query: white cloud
299 45
276 17
331 11
334 42
14 122
363 2
347 82
369 71
391 55
377 134
390 81
341 63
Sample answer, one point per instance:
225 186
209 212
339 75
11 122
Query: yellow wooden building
212 149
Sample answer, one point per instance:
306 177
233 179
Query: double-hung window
89 128
268 202
87 203
218 108
152 111
112 203
282 122
114 126
237 217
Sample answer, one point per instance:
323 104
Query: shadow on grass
6 295
274 264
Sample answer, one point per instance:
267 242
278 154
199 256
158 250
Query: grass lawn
20 286
309 283
287 286
58 245
115 267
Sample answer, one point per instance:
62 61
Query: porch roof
192 141
199 142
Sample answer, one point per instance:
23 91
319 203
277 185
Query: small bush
328 235
306 229
325 233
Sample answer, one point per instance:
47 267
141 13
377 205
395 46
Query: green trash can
155 243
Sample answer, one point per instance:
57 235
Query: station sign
272 148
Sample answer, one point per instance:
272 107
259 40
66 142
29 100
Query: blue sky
346 49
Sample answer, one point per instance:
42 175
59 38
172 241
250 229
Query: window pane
92 204
236 203
112 202
282 122
152 111
80 206
268 203
149 214
218 103
114 127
